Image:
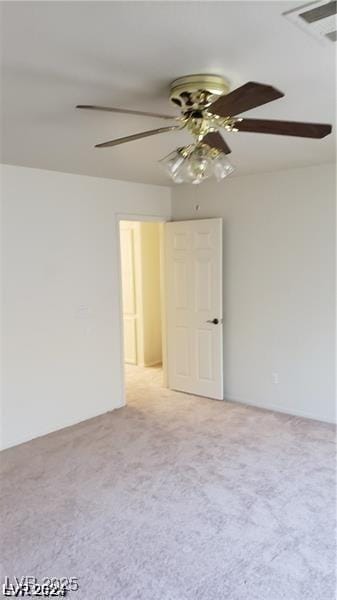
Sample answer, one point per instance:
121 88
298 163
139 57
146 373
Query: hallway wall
141 283
151 297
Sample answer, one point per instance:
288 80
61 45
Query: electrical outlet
275 377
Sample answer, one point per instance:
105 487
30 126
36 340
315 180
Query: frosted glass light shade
195 164
222 167
172 162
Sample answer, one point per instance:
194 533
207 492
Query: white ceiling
125 54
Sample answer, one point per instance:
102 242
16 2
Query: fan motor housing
197 92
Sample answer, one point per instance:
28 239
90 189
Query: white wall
61 329
151 300
141 285
279 291
61 332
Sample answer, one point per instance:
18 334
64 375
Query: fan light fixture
195 163
207 106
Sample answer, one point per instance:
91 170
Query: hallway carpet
175 497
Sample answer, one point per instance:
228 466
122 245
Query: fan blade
136 136
248 96
124 111
215 140
309 130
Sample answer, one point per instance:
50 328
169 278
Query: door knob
214 321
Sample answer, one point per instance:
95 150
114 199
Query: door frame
147 219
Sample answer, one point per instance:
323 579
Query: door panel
180 284
194 297
203 284
204 347
182 357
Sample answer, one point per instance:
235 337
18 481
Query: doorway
172 305
141 264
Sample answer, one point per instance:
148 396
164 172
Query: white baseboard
284 410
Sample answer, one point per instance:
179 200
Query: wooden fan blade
136 136
124 111
309 130
215 140
248 96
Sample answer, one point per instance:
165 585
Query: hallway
143 382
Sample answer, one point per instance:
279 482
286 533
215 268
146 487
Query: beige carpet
175 498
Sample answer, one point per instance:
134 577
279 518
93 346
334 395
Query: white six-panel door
193 280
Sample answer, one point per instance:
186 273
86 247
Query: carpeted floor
175 498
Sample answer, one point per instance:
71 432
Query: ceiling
125 54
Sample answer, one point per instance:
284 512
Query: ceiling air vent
316 18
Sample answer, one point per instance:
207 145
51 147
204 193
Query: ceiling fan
208 106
